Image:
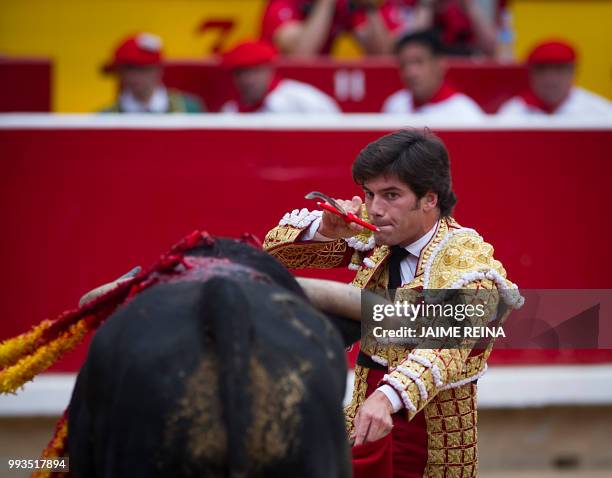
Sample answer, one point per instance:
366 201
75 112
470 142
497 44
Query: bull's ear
349 329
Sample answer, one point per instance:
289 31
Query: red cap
142 49
249 53
552 53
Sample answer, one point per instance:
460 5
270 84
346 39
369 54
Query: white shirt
409 264
580 102
158 103
457 106
292 96
407 272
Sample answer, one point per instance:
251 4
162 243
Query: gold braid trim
452 434
365 274
318 255
449 362
464 252
476 363
446 224
426 371
281 235
359 395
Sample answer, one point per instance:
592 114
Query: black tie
398 254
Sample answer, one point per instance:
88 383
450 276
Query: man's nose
376 208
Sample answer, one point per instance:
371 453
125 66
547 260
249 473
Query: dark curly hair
419 159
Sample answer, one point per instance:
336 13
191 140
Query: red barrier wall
81 206
489 83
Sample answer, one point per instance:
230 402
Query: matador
425 398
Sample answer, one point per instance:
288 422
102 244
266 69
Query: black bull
224 371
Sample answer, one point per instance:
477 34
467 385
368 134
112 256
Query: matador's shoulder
460 257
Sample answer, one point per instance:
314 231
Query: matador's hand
334 227
373 420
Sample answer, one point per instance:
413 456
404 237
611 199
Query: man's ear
429 201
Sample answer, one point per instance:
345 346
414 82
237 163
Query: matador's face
392 206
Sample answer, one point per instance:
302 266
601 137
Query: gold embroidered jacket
438 382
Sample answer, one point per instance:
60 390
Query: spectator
137 63
309 27
260 89
423 69
463 26
552 73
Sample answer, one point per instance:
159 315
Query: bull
224 368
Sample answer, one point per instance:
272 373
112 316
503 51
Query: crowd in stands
421 34
307 27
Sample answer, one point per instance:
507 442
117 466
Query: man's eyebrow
385 190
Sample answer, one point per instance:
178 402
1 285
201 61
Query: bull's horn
104 288
337 297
